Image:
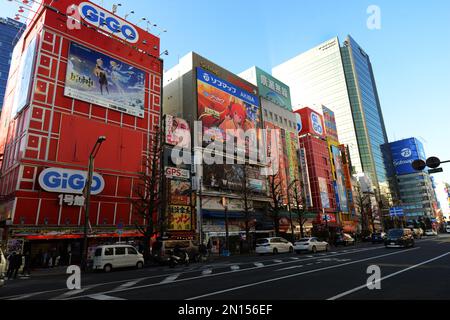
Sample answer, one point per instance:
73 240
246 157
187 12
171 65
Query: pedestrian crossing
106 291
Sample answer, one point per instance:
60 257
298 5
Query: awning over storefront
221 214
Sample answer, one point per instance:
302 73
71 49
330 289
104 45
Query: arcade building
71 82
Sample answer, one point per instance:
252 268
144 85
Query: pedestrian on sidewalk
11 265
27 265
17 264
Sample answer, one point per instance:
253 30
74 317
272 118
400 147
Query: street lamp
87 191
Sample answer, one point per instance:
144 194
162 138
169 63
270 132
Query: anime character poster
96 78
177 132
223 106
179 192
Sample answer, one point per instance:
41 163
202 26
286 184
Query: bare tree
276 203
147 194
300 205
247 191
363 204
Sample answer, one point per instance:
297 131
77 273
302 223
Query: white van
110 257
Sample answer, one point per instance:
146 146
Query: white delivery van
111 257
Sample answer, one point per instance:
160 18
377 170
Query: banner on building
177 132
223 106
180 218
99 79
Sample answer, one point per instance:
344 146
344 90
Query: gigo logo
316 123
69 181
299 123
110 23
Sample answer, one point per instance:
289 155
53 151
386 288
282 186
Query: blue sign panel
226 86
396 212
404 153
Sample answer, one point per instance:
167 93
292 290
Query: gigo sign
177 173
108 22
69 181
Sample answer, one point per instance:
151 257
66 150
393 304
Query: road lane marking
278 261
235 268
259 264
207 271
387 277
294 258
170 279
296 275
19 297
74 292
130 284
213 275
22 297
289 268
104 297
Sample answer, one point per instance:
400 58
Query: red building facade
53 119
312 140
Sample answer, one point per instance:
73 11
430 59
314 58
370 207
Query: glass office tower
341 77
10 32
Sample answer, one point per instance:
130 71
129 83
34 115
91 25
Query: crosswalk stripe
235 268
278 261
259 264
129 284
170 279
290 268
104 297
294 258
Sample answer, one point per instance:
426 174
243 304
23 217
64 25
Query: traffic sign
438 170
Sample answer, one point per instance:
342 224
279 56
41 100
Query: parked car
447 228
273 245
310 245
166 247
110 257
400 238
417 233
344 239
3 266
378 237
430 233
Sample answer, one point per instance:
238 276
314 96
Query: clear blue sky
410 53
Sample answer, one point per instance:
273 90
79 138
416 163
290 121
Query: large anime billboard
340 179
223 106
404 153
96 78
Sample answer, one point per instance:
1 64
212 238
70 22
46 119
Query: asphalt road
420 273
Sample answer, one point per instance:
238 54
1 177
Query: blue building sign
404 152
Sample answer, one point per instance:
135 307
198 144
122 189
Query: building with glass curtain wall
10 32
341 77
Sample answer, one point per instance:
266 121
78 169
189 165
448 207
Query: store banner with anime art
340 179
99 79
223 106
177 132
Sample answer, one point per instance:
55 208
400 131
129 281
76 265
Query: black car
399 238
378 237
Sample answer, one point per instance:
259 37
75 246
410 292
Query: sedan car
310 245
344 240
399 238
273 245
